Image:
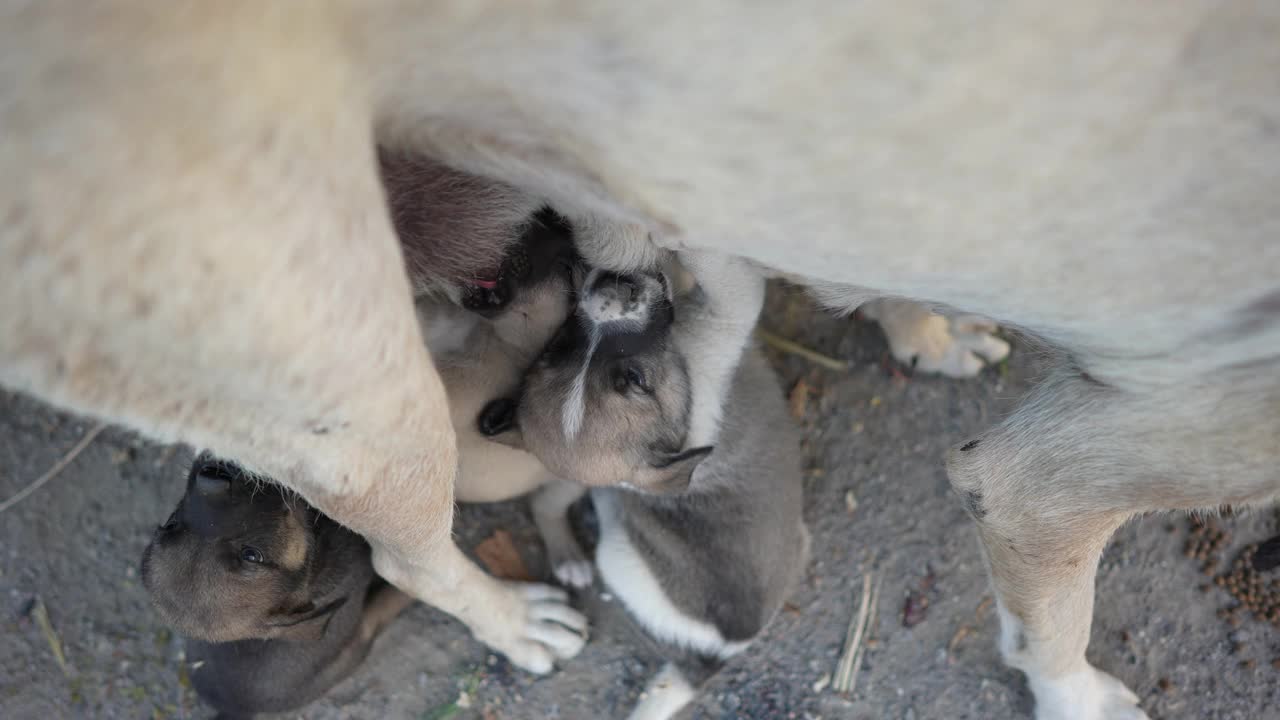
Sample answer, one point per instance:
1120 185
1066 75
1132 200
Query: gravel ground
70 553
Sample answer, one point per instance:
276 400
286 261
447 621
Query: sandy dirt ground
874 438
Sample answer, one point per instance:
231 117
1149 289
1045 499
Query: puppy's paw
575 573
956 347
568 562
1087 695
540 628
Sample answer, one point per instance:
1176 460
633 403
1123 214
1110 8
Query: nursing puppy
278 602
482 347
701 544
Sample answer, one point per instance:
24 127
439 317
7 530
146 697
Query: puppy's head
607 402
233 561
543 250
530 292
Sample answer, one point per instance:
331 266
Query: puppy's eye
632 378
251 554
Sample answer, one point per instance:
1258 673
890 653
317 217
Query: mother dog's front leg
258 306
406 513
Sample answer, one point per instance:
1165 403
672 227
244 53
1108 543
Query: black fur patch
973 503
969 445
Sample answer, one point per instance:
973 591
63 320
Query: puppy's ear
302 623
497 422
669 473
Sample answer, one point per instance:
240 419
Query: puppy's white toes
1087 695
574 573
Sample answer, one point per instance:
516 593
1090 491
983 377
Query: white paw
956 347
538 628
574 573
1086 695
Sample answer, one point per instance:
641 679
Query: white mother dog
192 213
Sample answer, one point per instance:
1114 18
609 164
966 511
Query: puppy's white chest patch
627 574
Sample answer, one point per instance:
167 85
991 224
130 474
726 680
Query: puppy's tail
675 686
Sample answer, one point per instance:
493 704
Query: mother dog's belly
1101 174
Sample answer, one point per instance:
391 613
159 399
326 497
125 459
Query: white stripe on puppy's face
575 403
602 305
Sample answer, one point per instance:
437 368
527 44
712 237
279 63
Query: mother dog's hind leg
1049 486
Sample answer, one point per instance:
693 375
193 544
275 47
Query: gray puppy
279 602
702 545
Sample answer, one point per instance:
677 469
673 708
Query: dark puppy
278 601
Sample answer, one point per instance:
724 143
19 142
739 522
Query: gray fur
728 550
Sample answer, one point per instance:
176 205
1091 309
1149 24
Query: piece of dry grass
41 615
791 347
846 675
52 472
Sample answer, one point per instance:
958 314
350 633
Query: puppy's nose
212 485
497 417
622 287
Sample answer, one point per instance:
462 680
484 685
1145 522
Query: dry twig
792 347
41 615
847 668
57 468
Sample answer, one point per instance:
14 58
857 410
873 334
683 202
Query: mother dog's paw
538 628
957 347
1087 695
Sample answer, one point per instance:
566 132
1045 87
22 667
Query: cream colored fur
191 215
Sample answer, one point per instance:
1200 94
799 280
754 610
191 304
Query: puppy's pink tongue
485 284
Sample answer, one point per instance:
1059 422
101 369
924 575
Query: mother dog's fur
192 210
